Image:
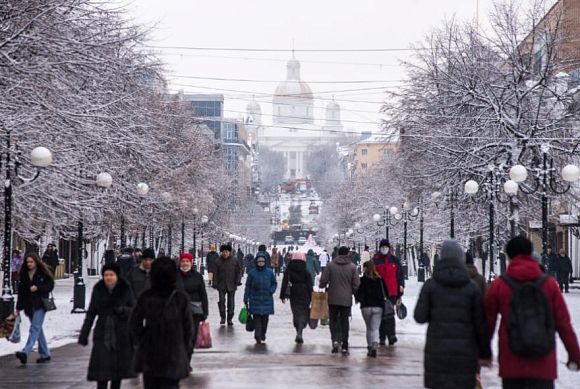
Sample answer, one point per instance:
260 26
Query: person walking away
36 283
126 261
390 269
371 296
365 256
162 327
427 263
240 255
210 262
258 297
111 356
341 278
15 265
50 257
262 251
355 257
324 259
275 261
137 255
191 282
452 305
297 286
287 258
226 279
525 295
564 271
311 264
249 263
139 276
551 262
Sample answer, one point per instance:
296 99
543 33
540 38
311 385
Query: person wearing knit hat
226 279
210 261
112 353
452 305
191 282
297 286
138 276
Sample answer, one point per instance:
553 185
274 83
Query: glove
239 284
83 341
204 318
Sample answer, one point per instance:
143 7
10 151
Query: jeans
260 326
388 327
231 304
527 383
339 323
104 384
150 382
373 317
37 334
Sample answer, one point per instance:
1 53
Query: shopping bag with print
203 336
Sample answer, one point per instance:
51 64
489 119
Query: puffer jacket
341 278
260 287
457 335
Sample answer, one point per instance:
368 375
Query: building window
386 152
207 108
363 166
230 131
364 152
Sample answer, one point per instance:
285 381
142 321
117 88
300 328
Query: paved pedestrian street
236 362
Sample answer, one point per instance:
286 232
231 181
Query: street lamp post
204 221
40 157
406 214
195 213
450 197
182 248
388 219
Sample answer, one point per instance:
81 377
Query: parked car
301 240
289 239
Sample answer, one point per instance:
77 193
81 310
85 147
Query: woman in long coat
260 287
297 286
111 357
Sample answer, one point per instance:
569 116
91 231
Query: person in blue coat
260 288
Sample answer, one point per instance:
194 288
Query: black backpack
531 329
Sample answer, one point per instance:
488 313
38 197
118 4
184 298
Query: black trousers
564 283
260 326
231 296
114 384
150 382
527 383
339 323
388 326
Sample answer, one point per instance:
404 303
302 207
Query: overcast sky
310 24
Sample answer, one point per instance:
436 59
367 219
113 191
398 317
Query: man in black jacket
564 270
226 279
126 261
138 276
210 262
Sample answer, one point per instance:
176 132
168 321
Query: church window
364 166
364 152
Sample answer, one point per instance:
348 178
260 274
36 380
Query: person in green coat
312 265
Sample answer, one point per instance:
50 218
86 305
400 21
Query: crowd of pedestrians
148 311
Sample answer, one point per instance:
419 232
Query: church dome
253 113
293 86
293 101
253 107
332 115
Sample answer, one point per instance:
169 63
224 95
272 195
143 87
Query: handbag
15 335
197 308
203 336
48 303
388 309
250 327
401 310
288 291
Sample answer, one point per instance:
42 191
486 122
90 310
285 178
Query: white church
293 129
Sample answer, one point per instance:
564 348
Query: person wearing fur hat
191 282
226 279
210 261
453 307
389 268
297 286
138 276
112 352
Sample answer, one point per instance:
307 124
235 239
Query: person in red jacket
389 268
518 371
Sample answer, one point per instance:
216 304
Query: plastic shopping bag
15 335
203 336
243 316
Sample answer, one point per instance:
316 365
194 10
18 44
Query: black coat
457 335
228 274
301 290
126 262
210 261
193 285
30 301
564 267
162 327
371 292
139 281
51 259
112 353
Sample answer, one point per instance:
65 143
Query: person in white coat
324 259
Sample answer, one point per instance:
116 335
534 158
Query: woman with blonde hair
371 295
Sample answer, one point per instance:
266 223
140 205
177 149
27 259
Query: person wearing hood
262 251
191 282
457 336
311 264
226 279
249 262
258 297
299 280
474 273
517 370
341 279
389 268
111 356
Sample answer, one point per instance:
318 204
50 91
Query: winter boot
392 340
335 347
344 349
373 351
22 357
